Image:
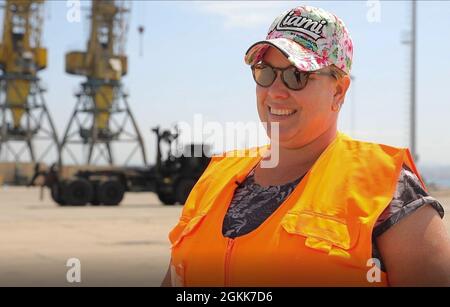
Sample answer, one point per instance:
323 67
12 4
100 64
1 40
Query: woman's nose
278 90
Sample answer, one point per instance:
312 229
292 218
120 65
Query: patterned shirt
252 204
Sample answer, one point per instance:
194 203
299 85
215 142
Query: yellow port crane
102 115
25 123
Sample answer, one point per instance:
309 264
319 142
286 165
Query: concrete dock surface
116 246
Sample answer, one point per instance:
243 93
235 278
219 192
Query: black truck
171 178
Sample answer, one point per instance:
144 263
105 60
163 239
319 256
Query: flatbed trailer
171 179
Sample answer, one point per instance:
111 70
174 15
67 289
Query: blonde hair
339 73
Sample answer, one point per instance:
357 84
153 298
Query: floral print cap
310 38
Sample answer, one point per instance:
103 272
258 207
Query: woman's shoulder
410 195
355 143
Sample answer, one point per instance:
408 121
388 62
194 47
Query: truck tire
167 199
55 193
94 200
183 188
110 192
77 192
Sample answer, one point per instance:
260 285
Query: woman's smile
280 114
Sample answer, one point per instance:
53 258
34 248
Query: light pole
412 128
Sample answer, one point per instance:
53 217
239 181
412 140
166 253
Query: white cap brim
301 57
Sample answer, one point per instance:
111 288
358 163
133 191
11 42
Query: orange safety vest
320 236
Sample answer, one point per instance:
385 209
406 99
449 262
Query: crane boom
103 63
21 55
22 107
104 58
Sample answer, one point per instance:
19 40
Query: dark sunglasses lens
295 79
264 75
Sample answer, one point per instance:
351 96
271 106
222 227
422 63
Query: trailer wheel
167 199
110 193
77 192
95 202
55 192
184 187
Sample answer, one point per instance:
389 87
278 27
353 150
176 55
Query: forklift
171 178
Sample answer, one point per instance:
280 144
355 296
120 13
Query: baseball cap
310 38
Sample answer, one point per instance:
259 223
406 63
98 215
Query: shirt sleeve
409 196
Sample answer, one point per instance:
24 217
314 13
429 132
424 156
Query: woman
333 211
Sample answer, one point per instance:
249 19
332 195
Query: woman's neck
307 154
295 162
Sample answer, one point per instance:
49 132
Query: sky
192 63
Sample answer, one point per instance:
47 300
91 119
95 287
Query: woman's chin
283 138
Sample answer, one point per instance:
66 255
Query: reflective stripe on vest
320 236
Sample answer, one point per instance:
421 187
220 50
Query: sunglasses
293 78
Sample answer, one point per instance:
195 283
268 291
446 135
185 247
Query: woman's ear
341 87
